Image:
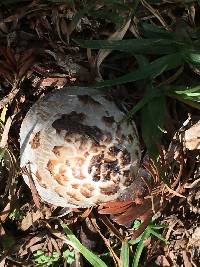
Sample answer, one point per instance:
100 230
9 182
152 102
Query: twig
4 136
181 163
9 98
174 192
156 14
192 184
34 191
106 241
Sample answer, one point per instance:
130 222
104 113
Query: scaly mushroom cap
77 150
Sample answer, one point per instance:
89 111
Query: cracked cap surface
77 149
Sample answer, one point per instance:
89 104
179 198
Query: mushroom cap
77 149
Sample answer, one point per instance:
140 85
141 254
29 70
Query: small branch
9 98
4 136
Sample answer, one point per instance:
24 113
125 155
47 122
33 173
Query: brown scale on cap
130 138
73 196
86 99
35 142
128 178
75 186
40 180
86 192
105 166
57 169
108 120
109 190
72 124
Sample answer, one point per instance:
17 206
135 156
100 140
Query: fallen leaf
29 244
192 137
186 260
4 135
30 219
162 261
114 207
118 35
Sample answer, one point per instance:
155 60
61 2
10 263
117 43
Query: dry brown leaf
4 135
26 66
26 55
156 13
66 31
134 212
106 241
3 27
86 213
112 229
162 261
186 259
55 245
5 65
8 98
20 13
49 245
88 234
194 240
5 212
30 219
34 192
192 137
143 212
171 191
114 207
7 75
118 35
36 247
30 243
8 55
56 22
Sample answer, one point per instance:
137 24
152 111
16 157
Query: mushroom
77 149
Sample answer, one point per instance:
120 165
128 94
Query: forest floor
146 55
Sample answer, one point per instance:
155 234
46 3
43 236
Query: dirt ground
42 49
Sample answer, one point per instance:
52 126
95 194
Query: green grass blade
152 123
138 254
157 226
124 255
135 46
76 244
192 93
105 14
135 241
190 103
147 98
151 31
140 248
79 14
150 71
189 96
159 236
2 153
192 58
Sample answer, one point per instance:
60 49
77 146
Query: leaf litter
41 49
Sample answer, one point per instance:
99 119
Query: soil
40 52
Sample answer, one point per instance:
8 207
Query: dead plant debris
153 75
